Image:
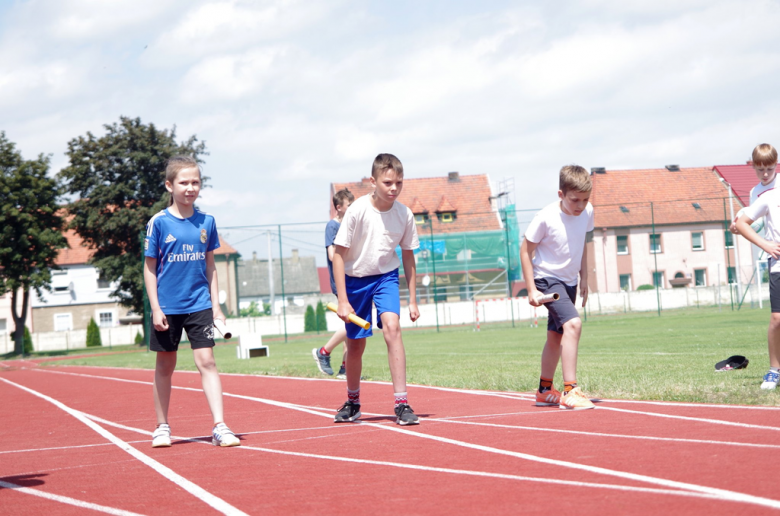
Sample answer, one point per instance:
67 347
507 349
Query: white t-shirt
372 236
756 192
560 240
767 206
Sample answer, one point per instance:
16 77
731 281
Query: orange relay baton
352 317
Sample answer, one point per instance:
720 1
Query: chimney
673 168
598 170
454 176
254 256
294 255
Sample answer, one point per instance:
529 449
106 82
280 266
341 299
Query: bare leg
396 355
551 354
337 338
163 371
773 338
569 344
355 362
212 386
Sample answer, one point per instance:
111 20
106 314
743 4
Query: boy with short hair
552 255
764 161
767 205
365 269
341 201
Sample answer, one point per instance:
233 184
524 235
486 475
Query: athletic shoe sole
349 419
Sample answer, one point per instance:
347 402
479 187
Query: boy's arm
584 273
341 283
410 271
743 226
211 275
331 251
159 321
527 249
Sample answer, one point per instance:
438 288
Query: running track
78 438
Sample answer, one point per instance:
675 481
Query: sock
775 369
323 352
545 384
354 396
567 386
400 397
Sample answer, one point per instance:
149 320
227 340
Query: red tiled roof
417 207
741 177
324 278
77 253
224 247
672 195
444 205
470 194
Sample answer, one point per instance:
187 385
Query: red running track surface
77 438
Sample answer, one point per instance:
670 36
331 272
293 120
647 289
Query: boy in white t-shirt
764 161
365 269
552 256
768 206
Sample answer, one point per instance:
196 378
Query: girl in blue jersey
181 281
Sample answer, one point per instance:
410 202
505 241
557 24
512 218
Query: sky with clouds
293 95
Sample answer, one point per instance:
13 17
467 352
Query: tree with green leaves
93 334
322 323
119 182
309 320
30 230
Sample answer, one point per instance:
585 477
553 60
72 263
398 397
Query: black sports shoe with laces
405 415
348 412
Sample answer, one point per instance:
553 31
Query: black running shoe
323 361
405 415
342 373
348 412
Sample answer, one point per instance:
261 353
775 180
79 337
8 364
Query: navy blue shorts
774 291
561 311
381 290
199 327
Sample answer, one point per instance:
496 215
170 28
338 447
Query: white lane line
67 500
722 493
697 419
477 392
197 491
600 434
617 487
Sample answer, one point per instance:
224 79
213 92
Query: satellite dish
426 280
222 297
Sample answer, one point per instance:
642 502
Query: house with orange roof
80 293
665 227
464 239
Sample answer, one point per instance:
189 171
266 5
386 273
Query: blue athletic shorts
562 311
381 290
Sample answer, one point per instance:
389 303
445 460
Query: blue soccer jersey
331 230
180 247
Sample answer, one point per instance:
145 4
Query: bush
93 334
139 339
254 310
309 320
28 345
322 323
646 287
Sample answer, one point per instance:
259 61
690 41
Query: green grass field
628 356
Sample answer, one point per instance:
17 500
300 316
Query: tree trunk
19 320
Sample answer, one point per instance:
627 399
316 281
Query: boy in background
365 269
552 255
341 201
764 161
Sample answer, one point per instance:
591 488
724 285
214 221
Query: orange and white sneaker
576 400
548 398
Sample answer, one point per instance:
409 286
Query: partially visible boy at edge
552 255
764 162
365 268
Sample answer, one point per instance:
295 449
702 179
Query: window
655 243
102 282
59 281
465 292
622 244
447 216
697 241
729 240
625 282
658 279
732 275
2 325
105 319
700 277
63 322
421 218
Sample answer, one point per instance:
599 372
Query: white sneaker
221 435
770 380
161 438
